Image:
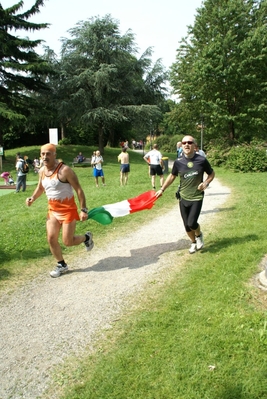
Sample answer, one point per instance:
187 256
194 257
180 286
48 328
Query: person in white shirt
154 159
96 163
21 177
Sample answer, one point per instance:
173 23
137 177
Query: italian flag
105 214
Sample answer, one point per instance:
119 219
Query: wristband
162 190
85 210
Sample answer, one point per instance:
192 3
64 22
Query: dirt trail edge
48 319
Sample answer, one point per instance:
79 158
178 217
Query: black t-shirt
191 172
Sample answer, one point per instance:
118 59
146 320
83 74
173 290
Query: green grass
24 250
200 335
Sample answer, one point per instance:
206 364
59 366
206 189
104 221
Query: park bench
86 162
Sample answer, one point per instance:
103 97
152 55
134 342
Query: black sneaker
59 269
89 243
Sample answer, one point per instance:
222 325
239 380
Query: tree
21 68
220 70
102 82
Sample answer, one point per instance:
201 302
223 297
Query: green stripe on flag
100 215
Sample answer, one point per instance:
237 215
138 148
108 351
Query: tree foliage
220 70
102 83
21 68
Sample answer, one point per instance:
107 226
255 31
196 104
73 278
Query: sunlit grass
201 334
24 251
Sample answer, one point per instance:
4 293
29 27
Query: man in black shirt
191 168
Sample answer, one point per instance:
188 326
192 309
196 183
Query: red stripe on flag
142 201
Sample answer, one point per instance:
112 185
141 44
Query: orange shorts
64 217
64 211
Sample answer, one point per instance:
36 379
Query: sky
154 23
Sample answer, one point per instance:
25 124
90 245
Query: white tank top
60 195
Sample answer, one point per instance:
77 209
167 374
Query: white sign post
1 157
53 136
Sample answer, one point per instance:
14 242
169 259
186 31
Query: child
5 176
10 180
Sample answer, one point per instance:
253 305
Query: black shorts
190 211
125 168
156 170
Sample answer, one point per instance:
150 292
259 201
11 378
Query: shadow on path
138 257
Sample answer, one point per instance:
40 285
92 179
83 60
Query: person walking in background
154 159
199 151
123 158
179 149
191 168
58 180
21 177
96 163
36 164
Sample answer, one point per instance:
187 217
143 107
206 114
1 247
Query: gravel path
48 319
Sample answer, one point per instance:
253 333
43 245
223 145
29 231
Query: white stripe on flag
118 209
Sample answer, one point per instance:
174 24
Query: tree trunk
62 131
232 130
101 139
111 138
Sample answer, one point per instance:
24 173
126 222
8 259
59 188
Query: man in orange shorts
58 180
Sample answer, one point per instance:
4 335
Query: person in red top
58 180
5 176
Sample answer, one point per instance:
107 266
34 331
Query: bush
247 159
168 143
65 141
217 156
239 157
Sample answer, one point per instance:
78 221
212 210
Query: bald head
188 144
49 148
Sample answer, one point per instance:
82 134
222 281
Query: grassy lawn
24 251
202 334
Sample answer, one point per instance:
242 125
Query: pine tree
21 68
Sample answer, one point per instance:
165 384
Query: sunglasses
187 142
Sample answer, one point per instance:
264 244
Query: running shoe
59 269
193 248
89 243
200 241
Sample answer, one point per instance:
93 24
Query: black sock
62 262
